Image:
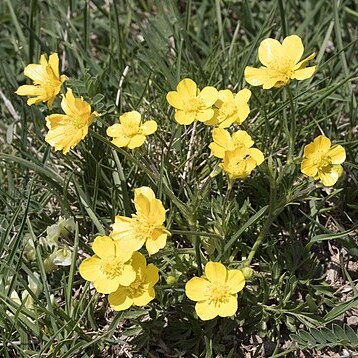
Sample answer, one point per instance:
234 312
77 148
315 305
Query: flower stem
292 137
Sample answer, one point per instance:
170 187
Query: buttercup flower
110 267
46 78
216 292
281 63
141 291
322 161
224 142
230 108
130 132
238 164
145 226
190 103
67 130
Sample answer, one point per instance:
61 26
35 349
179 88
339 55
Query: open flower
238 164
110 267
141 291
216 292
322 161
190 103
67 130
145 226
130 132
224 142
46 78
282 63
230 108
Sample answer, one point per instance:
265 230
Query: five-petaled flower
67 130
110 267
141 291
282 63
130 132
46 78
145 226
230 108
191 104
322 161
216 292
223 142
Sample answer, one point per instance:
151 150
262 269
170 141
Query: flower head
141 291
145 226
110 267
130 132
67 130
191 104
230 108
46 78
223 142
281 63
216 292
322 161
238 164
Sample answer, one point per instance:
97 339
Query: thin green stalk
292 134
197 243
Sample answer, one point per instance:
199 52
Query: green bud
247 272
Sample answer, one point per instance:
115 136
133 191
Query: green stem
197 243
292 134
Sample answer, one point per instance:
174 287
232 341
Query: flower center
323 162
218 293
194 105
136 288
131 129
79 122
112 267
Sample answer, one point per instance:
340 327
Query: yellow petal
119 300
257 155
136 141
139 262
337 154
36 73
149 127
330 174
322 143
235 280
205 115
224 96
216 150
116 130
144 298
106 285
229 307
54 63
270 50
127 276
215 272
209 95
206 310
303 63
309 168
175 100
29 90
242 97
131 118
304 73
187 89
121 141
184 118
151 275
197 289
260 77
153 246
142 204
242 113
103 247
90 268
242 139
292 48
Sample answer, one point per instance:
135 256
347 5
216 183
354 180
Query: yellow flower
144 227
110 267
141 291
230 108
216 292
67 130
238 164
322 161
130 132
47 81
191 104
224 142
282 63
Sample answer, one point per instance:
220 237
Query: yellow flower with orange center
224 142
141 291
216 292
321 161
130 132
230 108
46 78
281 63
191 104
145 226
67 130
110 267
